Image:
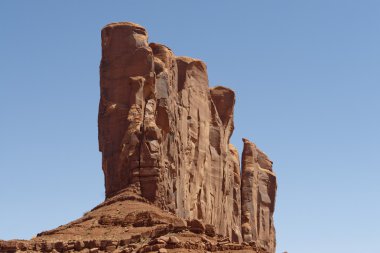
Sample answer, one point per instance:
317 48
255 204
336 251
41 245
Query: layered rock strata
164 133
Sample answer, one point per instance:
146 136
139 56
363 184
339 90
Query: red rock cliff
165 134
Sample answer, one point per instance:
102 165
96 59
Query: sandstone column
258 193
165 134
126 73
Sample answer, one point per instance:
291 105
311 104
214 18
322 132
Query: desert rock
163 131
258 197
172 178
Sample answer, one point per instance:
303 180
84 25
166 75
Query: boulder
173 240
210 230
197 226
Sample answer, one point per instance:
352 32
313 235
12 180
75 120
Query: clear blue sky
307 79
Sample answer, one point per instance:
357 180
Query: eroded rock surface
258 197
163 131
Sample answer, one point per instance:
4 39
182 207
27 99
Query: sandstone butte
173 180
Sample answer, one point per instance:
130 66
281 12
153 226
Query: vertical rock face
258 197
165 134
126 79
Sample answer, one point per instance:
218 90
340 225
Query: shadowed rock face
165 134
258 197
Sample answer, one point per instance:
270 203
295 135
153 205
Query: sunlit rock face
164 133
258 197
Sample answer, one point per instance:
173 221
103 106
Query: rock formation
165 133
173 180
258 190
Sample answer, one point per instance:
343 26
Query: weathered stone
110 248
210 230
223 241
70 246
196 226
258 197
156 247
133 245
164 238
173 240
47 246
8 246
104 244
157 241
164 131
124 242
94 250
92 244
79 245
38 246
179 225
59 246
205 240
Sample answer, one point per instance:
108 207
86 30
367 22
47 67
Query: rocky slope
128 223
173 181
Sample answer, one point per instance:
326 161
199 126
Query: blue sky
307 79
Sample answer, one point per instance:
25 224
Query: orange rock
163 131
